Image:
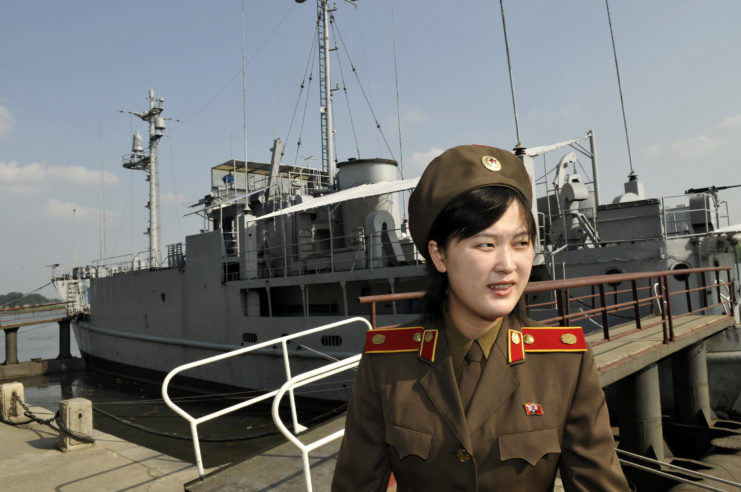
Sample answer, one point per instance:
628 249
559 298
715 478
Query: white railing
301 380
194 422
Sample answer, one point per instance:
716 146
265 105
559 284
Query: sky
432 74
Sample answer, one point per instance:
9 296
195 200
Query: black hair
464 216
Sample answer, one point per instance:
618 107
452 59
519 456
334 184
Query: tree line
15 299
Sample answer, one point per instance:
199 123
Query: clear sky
68 68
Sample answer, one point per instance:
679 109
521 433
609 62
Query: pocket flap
408 441
529 446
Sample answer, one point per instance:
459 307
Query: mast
148 162
325 92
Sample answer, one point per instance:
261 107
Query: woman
453 402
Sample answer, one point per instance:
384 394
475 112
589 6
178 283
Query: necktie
471 374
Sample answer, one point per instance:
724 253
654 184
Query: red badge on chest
533 408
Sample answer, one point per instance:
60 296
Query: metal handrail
671 466
563 297
216 358
301 380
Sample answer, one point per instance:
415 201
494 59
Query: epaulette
544 339
406 339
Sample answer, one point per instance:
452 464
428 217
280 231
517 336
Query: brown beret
456 171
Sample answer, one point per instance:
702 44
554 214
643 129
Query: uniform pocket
408 441
529 446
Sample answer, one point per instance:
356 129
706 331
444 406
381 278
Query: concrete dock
30 460
278 469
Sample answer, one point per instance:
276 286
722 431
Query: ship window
331 340
325 299
249 337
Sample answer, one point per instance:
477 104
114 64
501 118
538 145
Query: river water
141 404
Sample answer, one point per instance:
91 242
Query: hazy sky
69 67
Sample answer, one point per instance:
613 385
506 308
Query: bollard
10 409
76 415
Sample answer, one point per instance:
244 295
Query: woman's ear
437 255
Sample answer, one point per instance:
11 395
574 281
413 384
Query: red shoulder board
515 347
554 339
428 345
390 340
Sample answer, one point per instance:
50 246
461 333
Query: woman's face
487 272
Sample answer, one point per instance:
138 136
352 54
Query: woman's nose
504 260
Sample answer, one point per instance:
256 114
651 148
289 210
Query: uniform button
462 455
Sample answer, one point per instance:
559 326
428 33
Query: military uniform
531 414
536 403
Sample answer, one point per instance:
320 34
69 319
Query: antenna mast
148 162
325 91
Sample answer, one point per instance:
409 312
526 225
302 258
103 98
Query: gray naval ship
285 248
288 248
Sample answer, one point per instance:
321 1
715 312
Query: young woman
462 400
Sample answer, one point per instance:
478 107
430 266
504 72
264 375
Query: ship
285 248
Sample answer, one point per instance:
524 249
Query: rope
62 429
172 435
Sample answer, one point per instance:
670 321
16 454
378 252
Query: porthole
614 271
681 277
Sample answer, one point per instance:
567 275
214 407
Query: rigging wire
308 71
347 99
365 95
509 68
303 119
398 103
26 294
620 88
239 72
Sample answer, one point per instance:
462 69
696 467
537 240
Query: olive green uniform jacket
405 416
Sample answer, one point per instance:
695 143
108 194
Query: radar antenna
148 162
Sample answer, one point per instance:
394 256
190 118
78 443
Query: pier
12 319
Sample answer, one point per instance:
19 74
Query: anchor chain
62 429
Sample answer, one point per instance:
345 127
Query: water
141 404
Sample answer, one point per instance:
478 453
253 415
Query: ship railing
357 251
601 298
679 219
297 382
283 341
